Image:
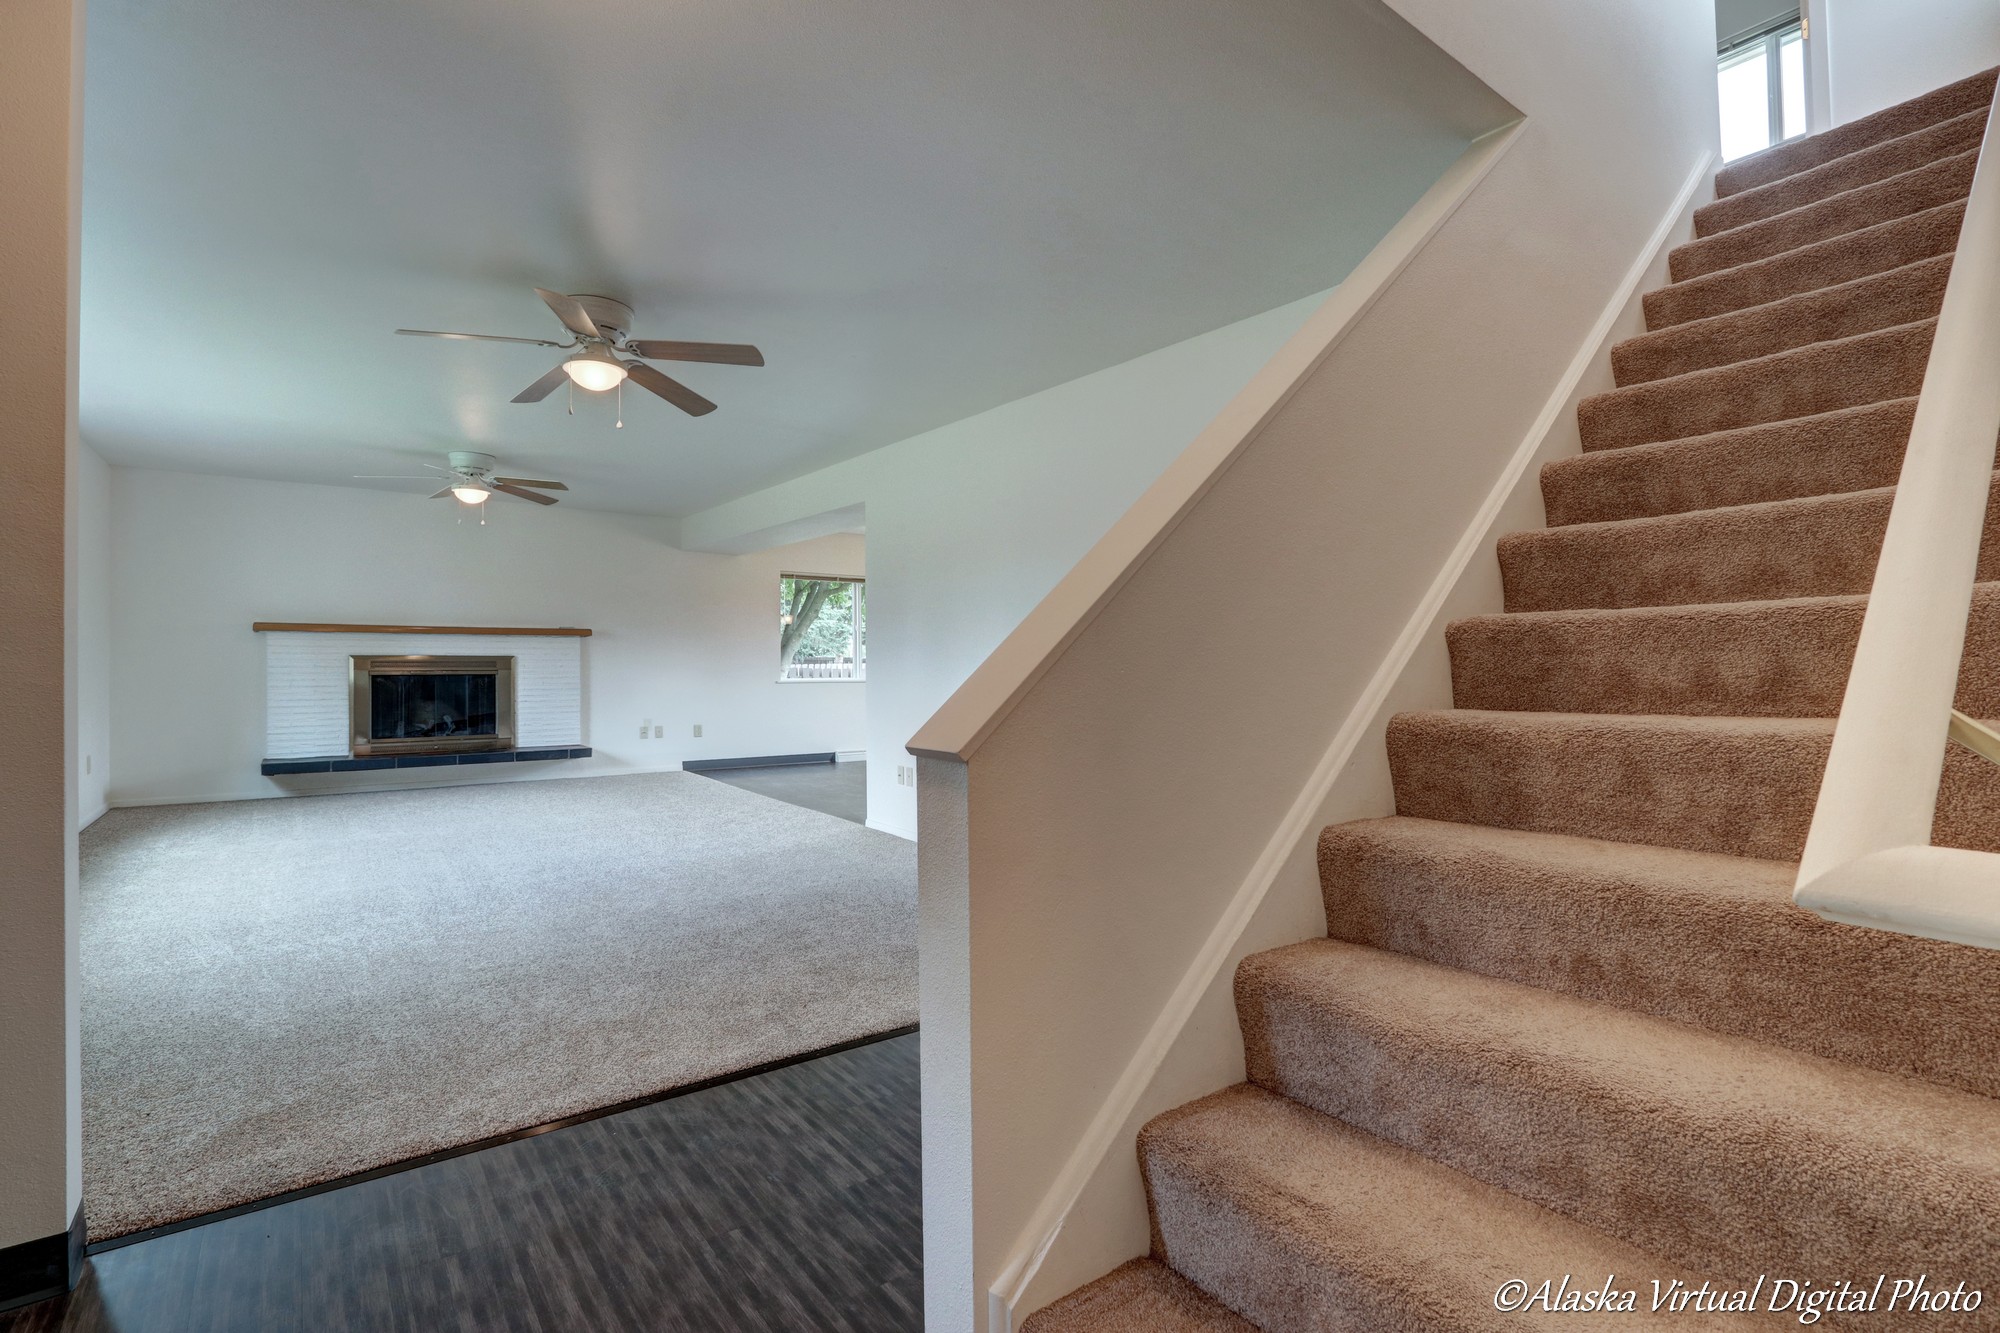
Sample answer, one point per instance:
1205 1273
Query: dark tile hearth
273 768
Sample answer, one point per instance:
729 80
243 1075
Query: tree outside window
822 628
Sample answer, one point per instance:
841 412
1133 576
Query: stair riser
1857 449
1783 659
1877 249
1660 1172
1737 794
1907 117
1904 296
1800 548
1743 960
1892 158
1252 1265
1941 182
1300 1222
1826 377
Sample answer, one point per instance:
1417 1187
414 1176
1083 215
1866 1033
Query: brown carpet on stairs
1567 1019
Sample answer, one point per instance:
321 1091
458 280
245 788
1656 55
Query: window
822 627
1761 89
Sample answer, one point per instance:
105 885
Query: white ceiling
919 209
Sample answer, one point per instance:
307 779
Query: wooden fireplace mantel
287 627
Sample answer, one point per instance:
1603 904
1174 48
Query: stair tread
1907 294
1807 546
1829 453
1722 1146
1142 1296
1695 936
1781 657
1785 159
1863 166
1744 786
1946 179
1871 249
1820 377
1301 1221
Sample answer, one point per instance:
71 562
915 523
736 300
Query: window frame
858 639
1771 41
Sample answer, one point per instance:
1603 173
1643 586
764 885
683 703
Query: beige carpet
276 993
1567 1022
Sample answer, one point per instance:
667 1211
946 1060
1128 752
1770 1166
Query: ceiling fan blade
542 387
574 317
480 337
722 354
686 399
442 495
505 489
525 481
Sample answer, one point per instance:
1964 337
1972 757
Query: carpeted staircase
1567 1019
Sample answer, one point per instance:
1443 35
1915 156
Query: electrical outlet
658 732
697 731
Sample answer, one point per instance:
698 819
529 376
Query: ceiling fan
470 480
600 329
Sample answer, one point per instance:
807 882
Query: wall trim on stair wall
1127 1106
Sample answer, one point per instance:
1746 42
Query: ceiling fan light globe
472 495
593 373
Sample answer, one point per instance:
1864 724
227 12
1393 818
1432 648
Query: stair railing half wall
1868 857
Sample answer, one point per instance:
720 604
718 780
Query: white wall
970 525
93 634
680 638
1881 52
1112 818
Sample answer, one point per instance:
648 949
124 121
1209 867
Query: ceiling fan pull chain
621 404
572 398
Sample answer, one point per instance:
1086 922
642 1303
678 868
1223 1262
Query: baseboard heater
756 761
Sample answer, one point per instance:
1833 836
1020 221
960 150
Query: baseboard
36 1270
756 761
906 834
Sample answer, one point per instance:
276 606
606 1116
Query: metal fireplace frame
364 667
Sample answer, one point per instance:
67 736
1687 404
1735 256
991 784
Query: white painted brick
306 681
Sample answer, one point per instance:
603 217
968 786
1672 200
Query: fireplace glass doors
431 704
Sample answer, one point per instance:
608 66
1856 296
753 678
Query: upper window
1761 86
822 627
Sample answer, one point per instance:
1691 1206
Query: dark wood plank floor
789 1200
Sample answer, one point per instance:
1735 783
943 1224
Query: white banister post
1881 783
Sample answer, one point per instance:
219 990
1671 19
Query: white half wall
1161 758
93 634
970 525
1881 52
680 639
